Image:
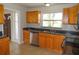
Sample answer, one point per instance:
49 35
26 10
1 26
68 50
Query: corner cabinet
1 14
70 15
33 17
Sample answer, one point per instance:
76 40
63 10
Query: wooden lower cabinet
57 43
49 39
26 36
4 46
42 40
51 42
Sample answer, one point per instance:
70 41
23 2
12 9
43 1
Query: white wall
55 8
21 11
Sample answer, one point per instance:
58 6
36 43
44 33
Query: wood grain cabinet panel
70 15
51 42
73 11
57 43
33 17
1 14
4 46
26 36
42 40
65 15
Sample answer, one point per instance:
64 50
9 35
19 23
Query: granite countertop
68 34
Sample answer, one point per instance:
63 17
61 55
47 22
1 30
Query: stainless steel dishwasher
35 38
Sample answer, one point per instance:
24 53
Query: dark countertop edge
48 29
57 31
3 36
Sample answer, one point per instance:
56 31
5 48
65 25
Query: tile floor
23 49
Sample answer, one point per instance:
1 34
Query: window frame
52 20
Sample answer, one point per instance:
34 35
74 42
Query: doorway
7 25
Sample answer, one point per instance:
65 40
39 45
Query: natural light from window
52 20
16 23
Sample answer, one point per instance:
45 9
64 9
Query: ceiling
32 4
40 4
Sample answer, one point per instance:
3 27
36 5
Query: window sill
51 27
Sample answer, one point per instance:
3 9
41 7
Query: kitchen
53 27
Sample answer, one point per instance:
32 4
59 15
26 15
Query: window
52 20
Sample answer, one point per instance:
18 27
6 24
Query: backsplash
64 27
68 27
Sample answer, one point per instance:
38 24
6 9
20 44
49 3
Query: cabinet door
42 40
49 42
1 14
29 17
65 15
73 15
57 43
26 36
1 49
4 46
33 16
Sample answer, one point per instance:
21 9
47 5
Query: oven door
35 39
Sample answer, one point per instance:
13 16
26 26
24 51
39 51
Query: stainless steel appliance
35 39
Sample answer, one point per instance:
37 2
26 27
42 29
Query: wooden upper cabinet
65 15
1 14
33 17
73 15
